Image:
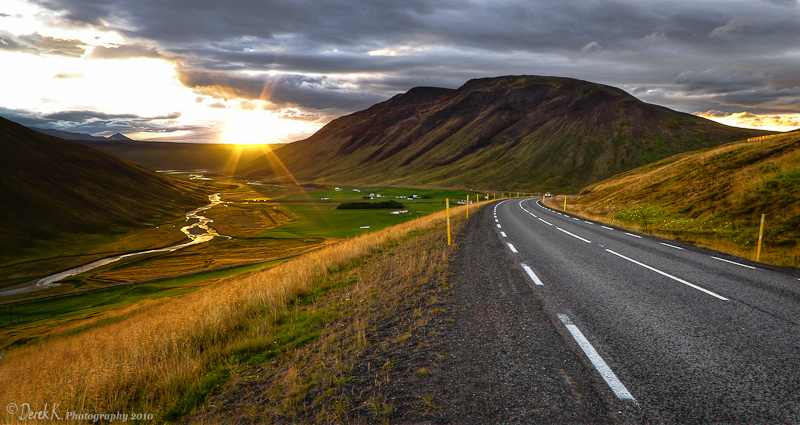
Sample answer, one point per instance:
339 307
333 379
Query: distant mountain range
66 135
51 188
512 132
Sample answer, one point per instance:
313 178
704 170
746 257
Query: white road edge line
671 246
504 234
511 247
499 226
549 224
608 375
574 235
587 222
733 262
606 227
631 234
531 274
670 276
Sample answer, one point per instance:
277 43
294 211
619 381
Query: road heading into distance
675 333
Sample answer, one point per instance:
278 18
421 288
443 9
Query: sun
252 127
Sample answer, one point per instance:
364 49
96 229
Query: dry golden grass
365 308
144 361
220 253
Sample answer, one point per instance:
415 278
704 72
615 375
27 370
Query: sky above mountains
247 71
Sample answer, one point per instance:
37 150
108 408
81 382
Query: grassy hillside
52 188
713 198
223 158
514 133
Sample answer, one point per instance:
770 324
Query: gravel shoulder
492 355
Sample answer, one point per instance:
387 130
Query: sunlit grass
712 199
162 347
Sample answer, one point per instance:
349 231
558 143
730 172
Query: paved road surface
675 333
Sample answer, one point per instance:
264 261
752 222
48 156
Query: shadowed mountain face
514 132
52 187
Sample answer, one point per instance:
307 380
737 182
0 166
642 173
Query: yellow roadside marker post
447 207
467 207
565 203
760 236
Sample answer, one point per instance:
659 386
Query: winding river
198 232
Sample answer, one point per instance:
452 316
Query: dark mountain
119 136
513 132
52 187
67 135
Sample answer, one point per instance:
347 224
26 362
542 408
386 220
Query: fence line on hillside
753 139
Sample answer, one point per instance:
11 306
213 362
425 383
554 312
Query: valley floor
439 335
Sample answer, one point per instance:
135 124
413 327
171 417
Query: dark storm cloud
95 122
85 116
677 48
316 93
719 81
26 118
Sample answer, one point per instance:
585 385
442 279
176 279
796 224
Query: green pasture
318 217
86 304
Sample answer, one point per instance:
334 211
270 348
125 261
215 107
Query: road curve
671 333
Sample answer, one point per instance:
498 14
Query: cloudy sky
255 71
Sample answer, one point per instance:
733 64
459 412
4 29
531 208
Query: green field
320 218
310 221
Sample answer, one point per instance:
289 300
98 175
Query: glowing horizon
769 122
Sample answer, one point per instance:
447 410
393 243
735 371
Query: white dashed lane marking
531 274
503 234
631 234
608 375
574 235
511 247
713 294
733 262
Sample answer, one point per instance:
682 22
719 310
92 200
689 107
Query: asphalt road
671 333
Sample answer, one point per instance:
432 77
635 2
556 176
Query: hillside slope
714 198
51 187
514 132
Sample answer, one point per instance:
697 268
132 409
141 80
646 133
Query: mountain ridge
53 187
68 135
510 132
